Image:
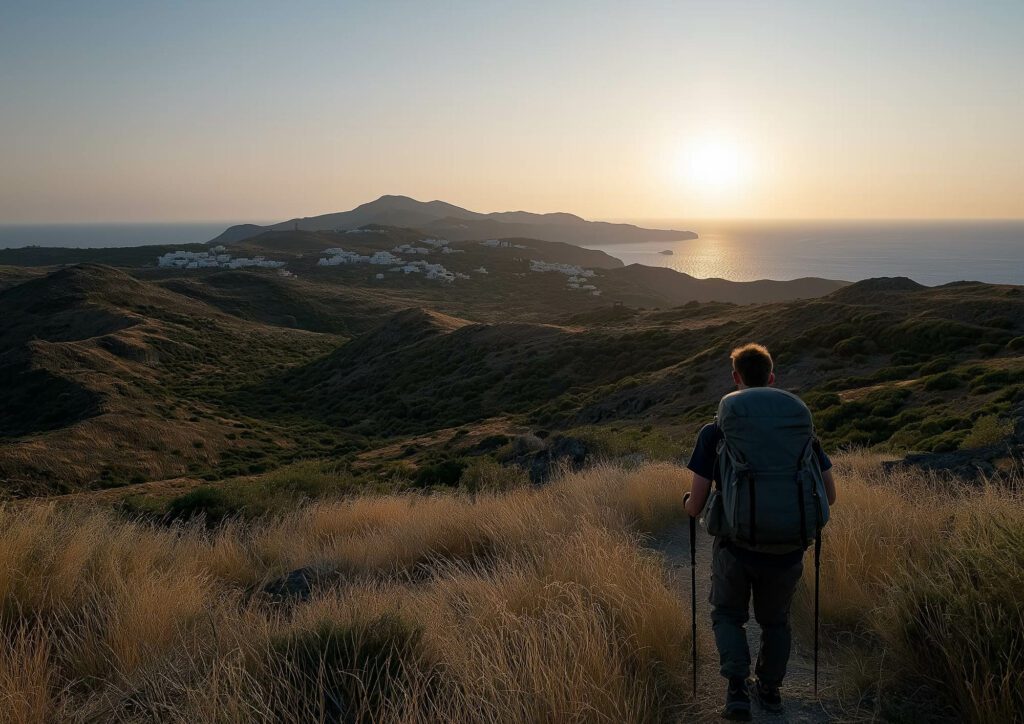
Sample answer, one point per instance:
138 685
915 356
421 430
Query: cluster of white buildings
577 276
430 271
442 245
214 258
567 269
501 243
410 249
337 255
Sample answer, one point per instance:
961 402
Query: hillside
460 224
918 369
677 288
132 374
109 380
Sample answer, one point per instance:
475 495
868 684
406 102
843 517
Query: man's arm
702 465
830 486
699 489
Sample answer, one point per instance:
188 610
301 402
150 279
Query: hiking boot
737 701
767 697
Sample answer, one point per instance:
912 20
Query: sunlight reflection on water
929 252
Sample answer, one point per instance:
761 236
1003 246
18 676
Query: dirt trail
798 688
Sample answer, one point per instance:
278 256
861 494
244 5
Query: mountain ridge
461 224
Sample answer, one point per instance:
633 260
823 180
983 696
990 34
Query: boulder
541 460
300 584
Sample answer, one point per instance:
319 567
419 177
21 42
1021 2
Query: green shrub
858 344
944 381
939 364
485 474
212 503
822 400
1011 394
987 430
446 473
887 374
930 335
901 357
935 425
887 401
946 442
994 380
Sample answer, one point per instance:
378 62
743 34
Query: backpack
770 495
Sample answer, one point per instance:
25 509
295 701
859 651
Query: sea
84 236
930 252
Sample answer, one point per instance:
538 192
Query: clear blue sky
118 110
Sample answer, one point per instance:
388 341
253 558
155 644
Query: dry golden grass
930 572
532 605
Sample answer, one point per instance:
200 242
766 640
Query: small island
667 252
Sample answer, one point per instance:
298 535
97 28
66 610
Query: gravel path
798 688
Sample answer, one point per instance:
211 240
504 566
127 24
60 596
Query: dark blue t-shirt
704 462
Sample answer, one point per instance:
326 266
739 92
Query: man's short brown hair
753 364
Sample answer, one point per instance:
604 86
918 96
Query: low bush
212 503
987 430
989 349
939 364
446 473
991 381
943 382
483 474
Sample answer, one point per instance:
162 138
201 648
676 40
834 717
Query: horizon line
606 219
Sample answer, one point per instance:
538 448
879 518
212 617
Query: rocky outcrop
541 457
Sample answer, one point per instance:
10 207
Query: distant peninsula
458 224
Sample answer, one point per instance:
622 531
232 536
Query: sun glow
713 165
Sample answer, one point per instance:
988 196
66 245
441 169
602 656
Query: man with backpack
770 488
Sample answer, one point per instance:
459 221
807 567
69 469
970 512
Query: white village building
337 255
213 259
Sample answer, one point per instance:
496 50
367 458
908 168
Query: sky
136 110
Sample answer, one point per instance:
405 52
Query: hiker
765 474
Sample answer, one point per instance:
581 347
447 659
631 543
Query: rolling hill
108 379
114 376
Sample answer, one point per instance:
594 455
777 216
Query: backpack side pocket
714 514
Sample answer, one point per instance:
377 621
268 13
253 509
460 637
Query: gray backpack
770 495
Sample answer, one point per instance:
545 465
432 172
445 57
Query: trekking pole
817 578
693 595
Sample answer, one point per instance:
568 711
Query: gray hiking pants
732 583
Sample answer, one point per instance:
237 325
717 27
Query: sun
713 165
